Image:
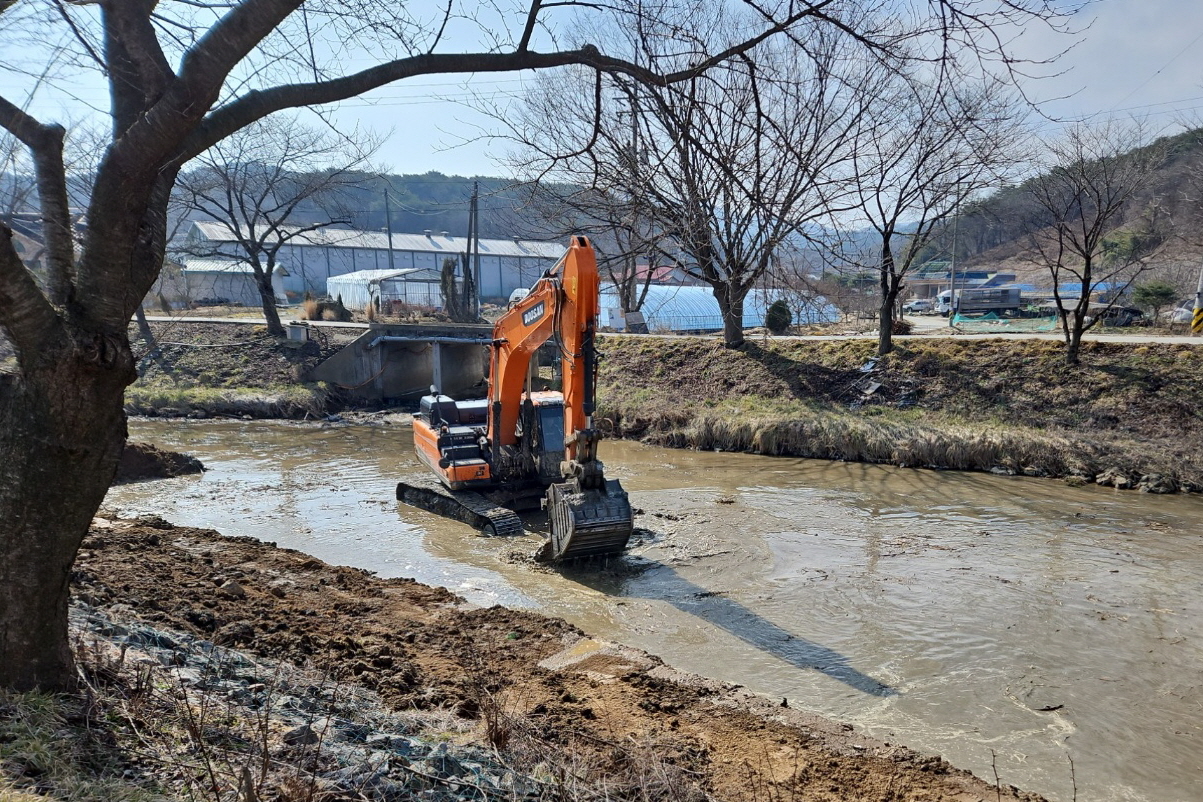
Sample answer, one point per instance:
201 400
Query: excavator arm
588 514
563 305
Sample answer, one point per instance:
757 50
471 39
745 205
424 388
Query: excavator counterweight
520 447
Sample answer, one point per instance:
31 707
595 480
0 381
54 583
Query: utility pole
472 251
388 230
952 273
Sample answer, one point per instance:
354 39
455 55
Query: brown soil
227 355
420 647
141 461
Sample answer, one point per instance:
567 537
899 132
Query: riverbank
1128 417
202 370
566 716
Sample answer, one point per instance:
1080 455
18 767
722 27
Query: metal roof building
312 257
225 281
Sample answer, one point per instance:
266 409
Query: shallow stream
1004 623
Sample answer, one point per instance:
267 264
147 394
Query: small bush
778 318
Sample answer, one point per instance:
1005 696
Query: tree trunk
890 285
1073 348
885 328
62 429
731 305
1073 338
153 354
267 296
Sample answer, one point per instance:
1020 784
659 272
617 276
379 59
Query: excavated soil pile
142 461
538 689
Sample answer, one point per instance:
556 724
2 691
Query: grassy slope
235 370
978 404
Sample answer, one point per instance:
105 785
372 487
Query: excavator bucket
586 522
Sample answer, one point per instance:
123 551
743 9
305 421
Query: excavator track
586 523
462 505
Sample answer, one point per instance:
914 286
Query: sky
1133 57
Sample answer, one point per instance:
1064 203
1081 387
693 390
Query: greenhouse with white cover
679 308
387 289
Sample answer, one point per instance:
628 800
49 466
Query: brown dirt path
535 684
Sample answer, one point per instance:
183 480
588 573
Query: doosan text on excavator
518 447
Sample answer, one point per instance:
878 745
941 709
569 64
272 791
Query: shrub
778 318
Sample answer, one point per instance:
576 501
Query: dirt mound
142 461
421 648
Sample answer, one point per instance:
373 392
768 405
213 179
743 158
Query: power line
1161 69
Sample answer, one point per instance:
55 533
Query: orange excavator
520 446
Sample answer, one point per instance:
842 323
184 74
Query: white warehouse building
311 258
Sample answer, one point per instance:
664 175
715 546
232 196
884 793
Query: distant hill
418 202
440 203
1168 214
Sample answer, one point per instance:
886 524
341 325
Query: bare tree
182 77
268 184
17 186
728 166
621 235
1086 193
924 150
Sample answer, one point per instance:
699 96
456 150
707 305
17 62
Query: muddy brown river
1004 623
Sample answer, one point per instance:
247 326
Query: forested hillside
1161 219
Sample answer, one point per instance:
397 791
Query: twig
997 782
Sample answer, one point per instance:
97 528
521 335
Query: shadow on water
720 611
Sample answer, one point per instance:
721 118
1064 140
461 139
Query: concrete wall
374 370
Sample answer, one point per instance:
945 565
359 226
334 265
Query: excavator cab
542 428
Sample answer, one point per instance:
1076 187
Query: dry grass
283 401
46 753
977 405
